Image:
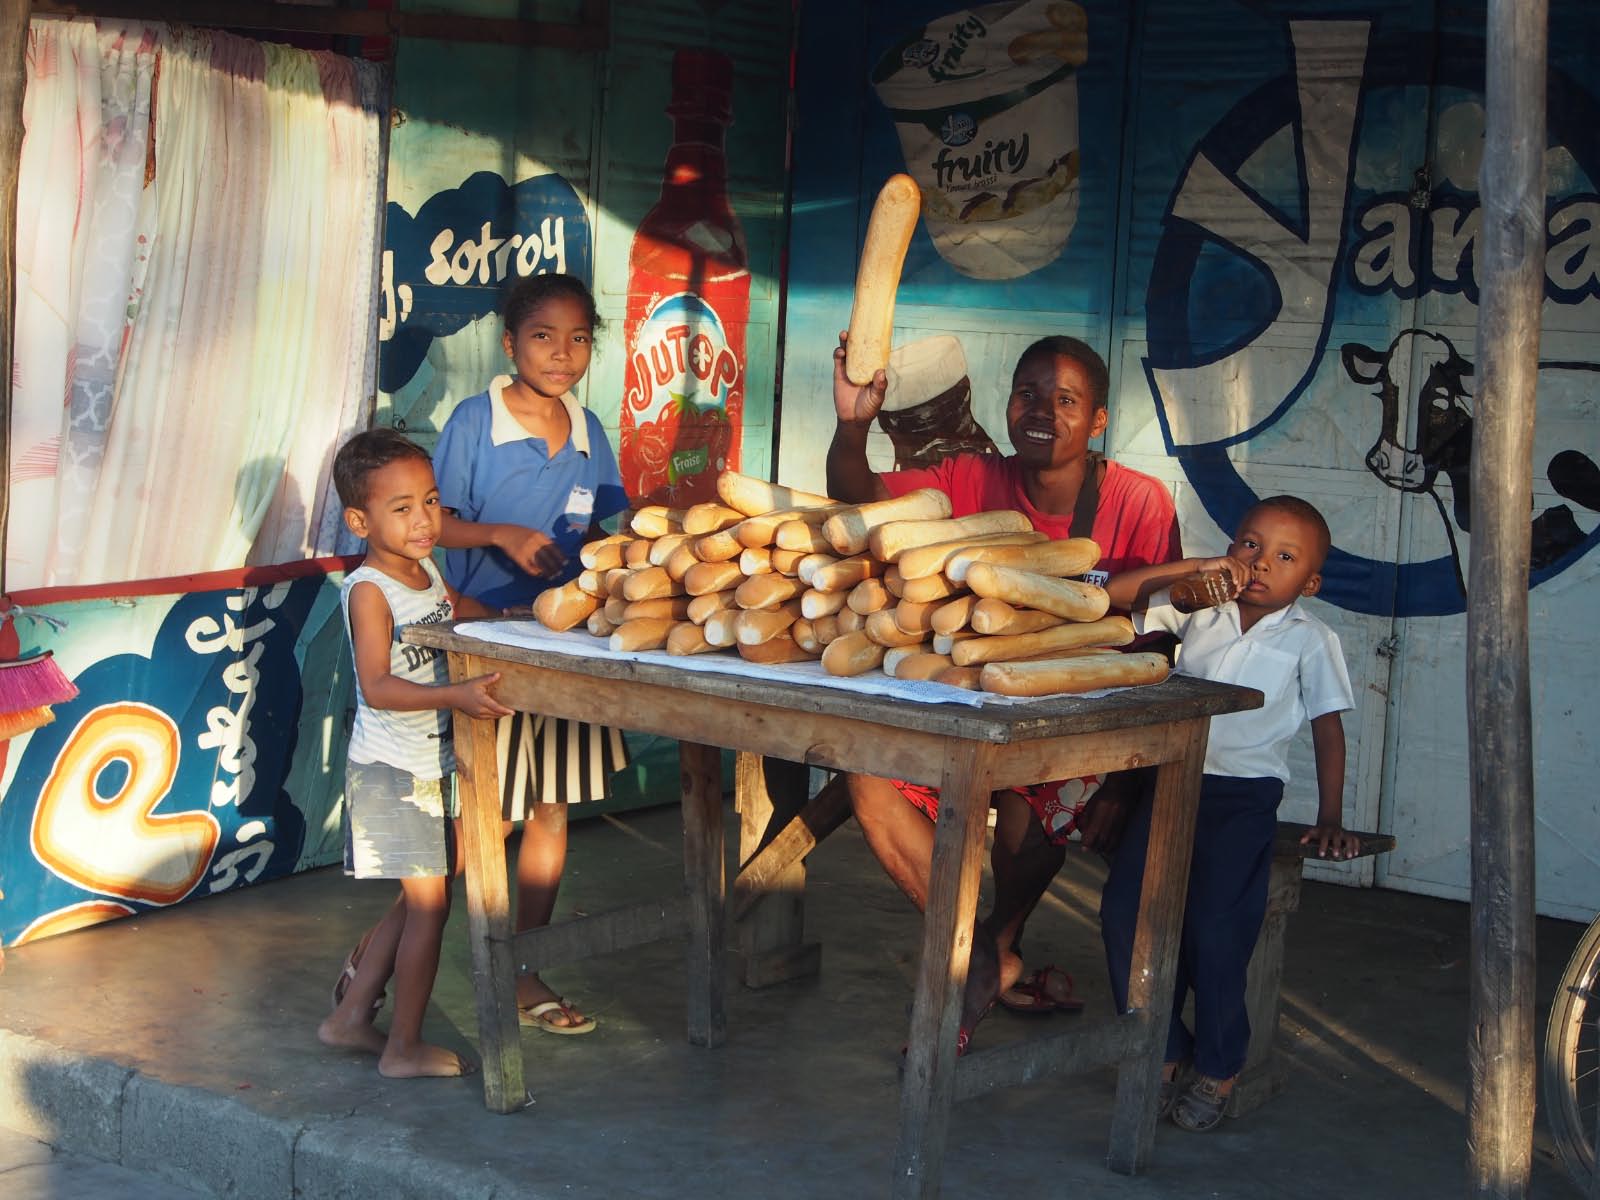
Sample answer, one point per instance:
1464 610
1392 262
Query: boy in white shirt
1261 638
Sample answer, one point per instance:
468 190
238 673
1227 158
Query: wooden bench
779 827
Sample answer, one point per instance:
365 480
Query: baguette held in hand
1049 676
1065 597
889 229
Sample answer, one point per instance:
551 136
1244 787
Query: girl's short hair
533 290
1083 354
365 453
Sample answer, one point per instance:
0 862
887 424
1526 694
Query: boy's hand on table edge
474 699
1334 837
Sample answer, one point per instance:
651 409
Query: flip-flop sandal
535 1015
347 975
1170 1089
1037 996
1199 1107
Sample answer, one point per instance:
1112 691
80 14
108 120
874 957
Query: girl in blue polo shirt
530 475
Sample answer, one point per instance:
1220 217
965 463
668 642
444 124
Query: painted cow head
1440 437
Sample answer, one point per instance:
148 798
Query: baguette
717 547
803 536
786 562
616 610
826 629
651 583
1109 631
943 643
1071 556
781 649
752 626
615 578
688 638
919 562
881 628
647 633
706 577
928 588
701 607
604 553
868 597
560 608
763 530
805 636
915 663
763 591
961 677
995 617
843 575
753 496
664 546
883 254
599 624
656 520
851 654
912 617
676 607
593 582
636 554
953 614
1065 597
709 518
849 621
681 560
756 560
849 531
720 628
814 604
810 563
889 541
1049 676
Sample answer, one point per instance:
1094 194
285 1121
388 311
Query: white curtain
183 382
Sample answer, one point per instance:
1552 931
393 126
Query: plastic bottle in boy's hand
1203 589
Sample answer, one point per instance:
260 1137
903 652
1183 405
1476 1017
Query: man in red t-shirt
1057 405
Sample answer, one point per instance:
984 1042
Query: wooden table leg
704 876
494 968
770 793
928 1088
1154 967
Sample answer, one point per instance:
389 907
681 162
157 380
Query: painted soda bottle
688 305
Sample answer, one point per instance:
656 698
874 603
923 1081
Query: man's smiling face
1052 414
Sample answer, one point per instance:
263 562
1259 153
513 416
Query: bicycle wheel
1571 1074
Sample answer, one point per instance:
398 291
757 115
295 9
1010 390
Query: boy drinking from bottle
1260 637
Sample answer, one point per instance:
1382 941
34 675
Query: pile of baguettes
897 585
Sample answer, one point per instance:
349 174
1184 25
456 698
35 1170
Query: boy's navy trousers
1233 835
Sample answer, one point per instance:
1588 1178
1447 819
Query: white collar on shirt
1290 612
504 428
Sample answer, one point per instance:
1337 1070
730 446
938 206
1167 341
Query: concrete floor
183 1044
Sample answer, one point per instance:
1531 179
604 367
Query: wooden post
1500 1046
13 82
705 878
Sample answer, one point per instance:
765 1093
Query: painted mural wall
1265 218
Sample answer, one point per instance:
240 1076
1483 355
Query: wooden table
968 752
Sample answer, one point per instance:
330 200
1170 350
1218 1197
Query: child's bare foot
423 1061
357 1034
